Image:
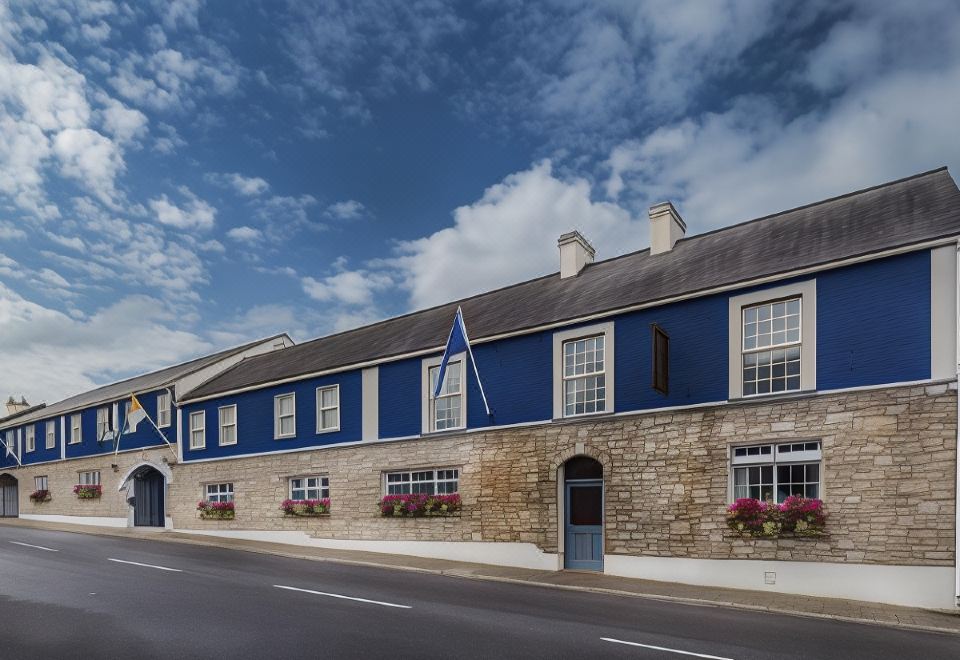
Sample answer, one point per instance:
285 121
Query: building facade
631 401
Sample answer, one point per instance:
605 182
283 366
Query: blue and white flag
458 342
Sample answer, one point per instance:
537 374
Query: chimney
575 253
13 407
666 227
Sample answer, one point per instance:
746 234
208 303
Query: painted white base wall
518 555
912 586
77 520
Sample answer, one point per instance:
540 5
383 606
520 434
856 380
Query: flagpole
463 329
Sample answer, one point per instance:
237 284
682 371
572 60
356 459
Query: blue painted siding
698 354
873 322
400 402
42 454
144 436
873 326
255 418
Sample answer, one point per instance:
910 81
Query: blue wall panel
42 454
144 436
517 376
255 418
873 322
399 408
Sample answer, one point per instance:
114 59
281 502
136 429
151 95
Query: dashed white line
360 600
136 563
664 648
30 545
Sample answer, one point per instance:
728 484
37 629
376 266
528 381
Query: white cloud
248 186
510 234
58 355
72 242
91 159
194 214
245 234
8 232
350 287
346 210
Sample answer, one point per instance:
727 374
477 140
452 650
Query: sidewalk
808 606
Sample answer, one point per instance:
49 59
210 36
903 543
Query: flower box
796 516
216 510
419 505
87 492
306 508
40 496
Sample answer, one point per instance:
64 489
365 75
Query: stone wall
62 476
888 479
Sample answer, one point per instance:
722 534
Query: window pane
328 397
286 426
328 419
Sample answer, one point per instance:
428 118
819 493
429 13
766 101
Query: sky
181 176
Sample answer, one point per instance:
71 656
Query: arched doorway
148 497
9 496
583 514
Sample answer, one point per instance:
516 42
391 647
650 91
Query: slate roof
908 211
143 383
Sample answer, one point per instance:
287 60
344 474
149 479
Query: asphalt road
66 595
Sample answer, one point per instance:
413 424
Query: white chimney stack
13 407
666 227
575 253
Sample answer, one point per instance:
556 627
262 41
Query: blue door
583 537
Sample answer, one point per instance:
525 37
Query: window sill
430 434
582 416
773 396
326 431
285 437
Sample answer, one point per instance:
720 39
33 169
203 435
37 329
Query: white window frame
776 457
224 492
30 438
807 292
562 337
41 482
276 416
76 429
163 410
427 410
321 409
322 484
202 429
235 425
434 479
89 478
104 426
50 430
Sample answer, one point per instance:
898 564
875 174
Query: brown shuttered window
661 359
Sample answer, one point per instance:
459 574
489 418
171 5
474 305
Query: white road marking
30 545
360 600
136 563
664 648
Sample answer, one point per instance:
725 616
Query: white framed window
583 364
442 481
163 409
91 478
309 488
228 425
773 341
777 471
198 431
40 483
448 411
219 492
30 437
75 429
103 422
51 431
328 409
285 416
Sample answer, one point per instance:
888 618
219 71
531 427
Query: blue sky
177 177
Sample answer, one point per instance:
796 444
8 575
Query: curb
465 574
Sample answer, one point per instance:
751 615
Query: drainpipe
956 499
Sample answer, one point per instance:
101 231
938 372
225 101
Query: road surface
65 595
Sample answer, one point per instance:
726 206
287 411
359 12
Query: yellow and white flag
135 414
